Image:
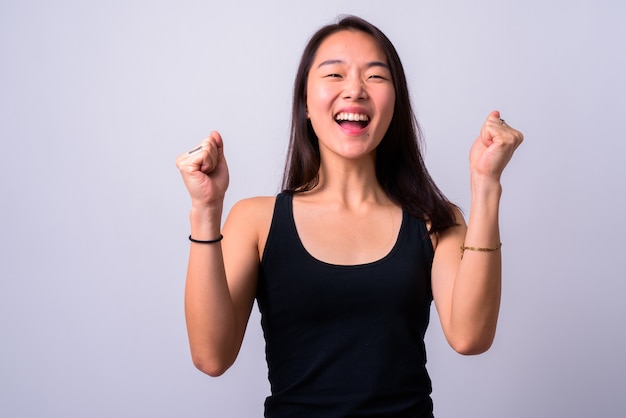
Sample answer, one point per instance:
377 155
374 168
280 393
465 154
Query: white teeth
351 117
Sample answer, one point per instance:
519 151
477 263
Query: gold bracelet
463 248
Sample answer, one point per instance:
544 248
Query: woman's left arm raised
467 283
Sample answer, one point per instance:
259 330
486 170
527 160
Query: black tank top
345 341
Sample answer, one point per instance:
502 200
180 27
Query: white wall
98 98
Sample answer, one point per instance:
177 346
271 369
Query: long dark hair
400 168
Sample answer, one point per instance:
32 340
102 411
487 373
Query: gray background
98 98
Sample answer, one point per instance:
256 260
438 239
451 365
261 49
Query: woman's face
350 94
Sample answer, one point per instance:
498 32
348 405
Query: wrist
205 222
485 186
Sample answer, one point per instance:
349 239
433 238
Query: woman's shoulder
451 233
252 205
254 211
250 220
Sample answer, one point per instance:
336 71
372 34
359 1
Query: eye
377 77
333 75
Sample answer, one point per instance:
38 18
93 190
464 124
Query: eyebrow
368 65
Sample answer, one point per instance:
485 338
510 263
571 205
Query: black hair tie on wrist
211 241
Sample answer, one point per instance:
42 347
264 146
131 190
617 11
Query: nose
354 89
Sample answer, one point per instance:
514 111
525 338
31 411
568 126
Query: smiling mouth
352 119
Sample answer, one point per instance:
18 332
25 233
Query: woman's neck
349 183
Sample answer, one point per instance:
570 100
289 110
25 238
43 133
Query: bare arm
219 290
467 290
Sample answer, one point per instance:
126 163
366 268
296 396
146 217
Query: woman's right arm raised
221 277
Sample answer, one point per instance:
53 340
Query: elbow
212 358
212 367
472 347
471 340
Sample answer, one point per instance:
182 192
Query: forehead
350 45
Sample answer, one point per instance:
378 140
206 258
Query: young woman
345 262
